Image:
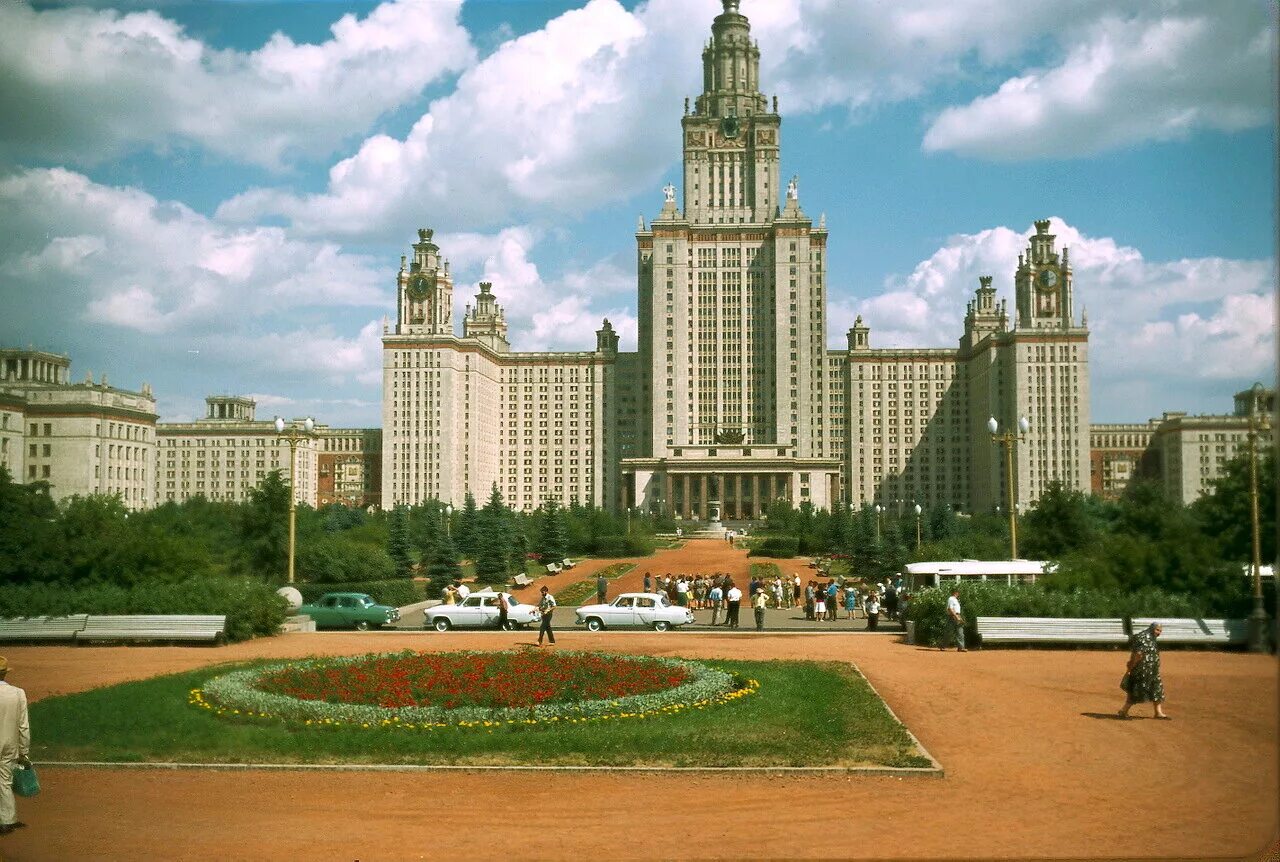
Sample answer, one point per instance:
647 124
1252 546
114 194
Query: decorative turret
859 335
984 316
486 321
606 339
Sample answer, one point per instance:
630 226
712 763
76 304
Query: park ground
1036 767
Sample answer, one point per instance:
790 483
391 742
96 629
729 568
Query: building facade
349 467
733 399
1120 453
229 452
82 438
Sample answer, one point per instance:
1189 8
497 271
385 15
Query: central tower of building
732 356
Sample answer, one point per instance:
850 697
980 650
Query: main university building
733 396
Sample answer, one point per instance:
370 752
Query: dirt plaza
1036 767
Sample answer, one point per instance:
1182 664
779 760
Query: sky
213 197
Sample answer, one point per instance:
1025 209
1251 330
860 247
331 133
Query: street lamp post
293 436
918 511
1007 440
628 520
1259 421
447 514
879 512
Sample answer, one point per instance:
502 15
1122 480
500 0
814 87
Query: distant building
225 454
1193 450
733 397
349 467
1119 453
82 438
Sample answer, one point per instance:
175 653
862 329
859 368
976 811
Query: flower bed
468 689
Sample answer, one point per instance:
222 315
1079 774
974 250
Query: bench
523 580
567 563
1109 632
1196 631
153 628
42 628
554 568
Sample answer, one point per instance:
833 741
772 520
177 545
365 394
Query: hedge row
252 608
779 547
397 593
928 607
612 547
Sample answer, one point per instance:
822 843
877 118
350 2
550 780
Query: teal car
349 610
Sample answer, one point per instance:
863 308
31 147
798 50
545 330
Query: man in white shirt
547 606
463 591
15 746
955 622
735 604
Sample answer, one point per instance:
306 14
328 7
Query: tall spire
731 68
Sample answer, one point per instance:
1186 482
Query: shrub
397 592
612 547
252 608
338 559
928 607
779 547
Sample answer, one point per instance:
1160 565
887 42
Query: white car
635 609
480 610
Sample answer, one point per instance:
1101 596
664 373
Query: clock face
729 127
418 287
1048 278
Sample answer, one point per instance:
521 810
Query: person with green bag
15 746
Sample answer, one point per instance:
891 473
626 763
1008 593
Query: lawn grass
804 714
579 591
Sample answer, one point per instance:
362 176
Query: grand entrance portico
742 479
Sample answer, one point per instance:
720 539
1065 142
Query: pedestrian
759 601
831 599
796 585
873 612
503 623
954 629
648 583
450 595
682 592
1141 681
734 597
850 601
602 588
777 592
462 589
15 746
717 596
788 597
547 605
809 596
891 603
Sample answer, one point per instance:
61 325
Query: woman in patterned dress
1142 683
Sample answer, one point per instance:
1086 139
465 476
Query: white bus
920 575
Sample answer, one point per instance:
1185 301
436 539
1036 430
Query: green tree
264 528
551 536
399 548
443 567
467 523
1060 522
1226 511
493 541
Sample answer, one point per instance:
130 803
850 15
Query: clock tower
731 138
424 291
1043 283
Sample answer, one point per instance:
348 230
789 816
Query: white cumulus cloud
1155 75
91 85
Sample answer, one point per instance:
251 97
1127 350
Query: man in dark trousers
735 604
602 587
547 605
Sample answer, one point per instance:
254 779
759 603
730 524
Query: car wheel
661 626
362 626
594 624
442 624
508 626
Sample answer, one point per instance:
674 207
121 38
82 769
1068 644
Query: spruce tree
444 566
493 541
551 539
399 548
465 531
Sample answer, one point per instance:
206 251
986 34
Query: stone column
668 499
737 497
755 496
685 503
702 504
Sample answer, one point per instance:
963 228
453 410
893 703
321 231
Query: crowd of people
822 600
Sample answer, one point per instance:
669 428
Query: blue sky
213 197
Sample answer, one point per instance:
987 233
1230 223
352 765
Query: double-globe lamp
293 436
1007 440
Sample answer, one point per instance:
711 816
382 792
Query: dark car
349 610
